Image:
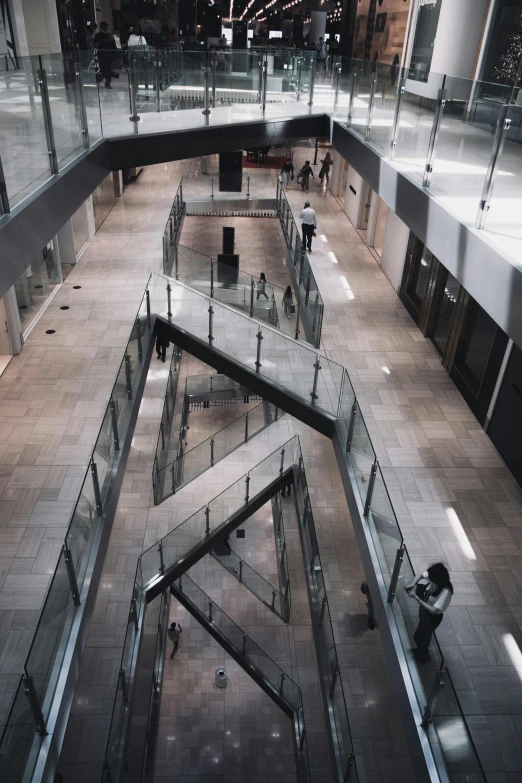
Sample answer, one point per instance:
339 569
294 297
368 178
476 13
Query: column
317 26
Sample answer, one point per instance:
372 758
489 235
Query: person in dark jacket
287 171
105 48
161 346
304 175
174 635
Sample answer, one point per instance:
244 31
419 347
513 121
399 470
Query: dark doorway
505 429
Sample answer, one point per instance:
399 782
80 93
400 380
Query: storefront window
36 284
447 306
103 201
475 346
501 62
419 276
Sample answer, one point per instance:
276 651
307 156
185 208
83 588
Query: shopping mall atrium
261 391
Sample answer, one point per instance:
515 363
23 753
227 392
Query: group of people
304 174
107 45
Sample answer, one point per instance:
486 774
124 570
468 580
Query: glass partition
278 354
65 99
19 744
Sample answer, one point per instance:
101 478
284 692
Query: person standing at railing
309 224
174 636
286 171
105 49
321 55
433 599
261 285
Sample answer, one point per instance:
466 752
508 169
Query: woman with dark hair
433 598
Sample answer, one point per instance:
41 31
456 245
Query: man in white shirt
309 223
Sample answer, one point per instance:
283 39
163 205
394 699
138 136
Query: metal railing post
247 483
128 376
211 279
213 80
265 82
134 117
47 117
162 434
34 705
114 422
96 487
401 88
337 85
206 110
211 452
169 300
281 683
173 478
274 594
176 269
147 299
352 95
246 428
437 118
210 314
138 335
5 209
399 557
297 315
83 110
503 126
248 188
123 682
207 521
240 570
371 484
245 639
71 574
162 562
322 611
281 466
258 355
312 84
252 285
317 367
351 426
157 65
438 685
133 613
210 611
334 679
373 88
212 187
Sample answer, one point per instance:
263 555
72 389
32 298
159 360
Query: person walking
321 55
174 636
136 38
287 171
433 599
325 168
105 48
287 301
287 488
309 224
261 285
304 176
161 346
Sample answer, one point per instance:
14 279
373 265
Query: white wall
352 201
394 249
36 26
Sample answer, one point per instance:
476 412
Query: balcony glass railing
457 137
30 709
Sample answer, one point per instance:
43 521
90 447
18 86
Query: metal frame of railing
172 232
44 685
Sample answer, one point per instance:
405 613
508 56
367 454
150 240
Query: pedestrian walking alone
261 285
287 171
174 635
365 590
325 168
105 51
288 301
433 598
161 346
304 176
309 224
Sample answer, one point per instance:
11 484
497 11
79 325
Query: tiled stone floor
52 397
